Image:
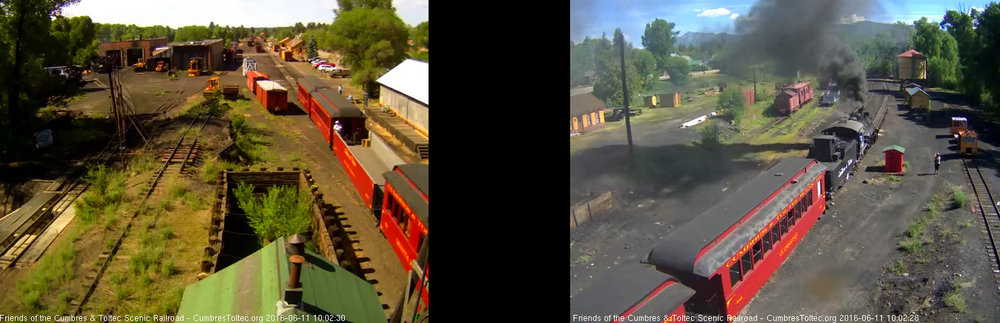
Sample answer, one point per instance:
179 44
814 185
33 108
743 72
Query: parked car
326 68
317 64
340 72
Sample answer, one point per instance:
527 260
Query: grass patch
104 197
162 92
911 245
176 190
957 197
898 268
895 179
210 171
955 300
251 141
55 269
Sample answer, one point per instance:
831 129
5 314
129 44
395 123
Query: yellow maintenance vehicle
161 66
212 87
195 66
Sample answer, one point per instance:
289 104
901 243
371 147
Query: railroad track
986 204
185 147
22 234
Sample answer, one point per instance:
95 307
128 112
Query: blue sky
260 13
592 17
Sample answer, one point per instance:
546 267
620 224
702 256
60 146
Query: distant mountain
696 38
899 34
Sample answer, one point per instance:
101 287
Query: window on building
758 251
734 274
747 263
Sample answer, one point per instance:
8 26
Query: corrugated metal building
586 112
255 285
209 49
912 65
129 52
404 90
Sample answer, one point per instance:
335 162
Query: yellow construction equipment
968 143
161 66
140 67
195 66
211 86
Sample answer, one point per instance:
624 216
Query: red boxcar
272 95
252 78
791 98
753 231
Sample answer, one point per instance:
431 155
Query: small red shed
894 159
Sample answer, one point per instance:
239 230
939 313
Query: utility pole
628 124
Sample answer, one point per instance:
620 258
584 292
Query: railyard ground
851 262
57 281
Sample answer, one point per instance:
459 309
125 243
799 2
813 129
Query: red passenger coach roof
679 252
311 83
336 105
411 193
662 301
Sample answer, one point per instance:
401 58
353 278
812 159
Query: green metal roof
896 148
253 286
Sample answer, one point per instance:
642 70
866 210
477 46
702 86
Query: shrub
956 301
283 211
958 197
711 135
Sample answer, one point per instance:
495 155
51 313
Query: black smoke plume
798 36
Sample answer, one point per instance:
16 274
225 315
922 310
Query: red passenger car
666 301
730 251
307 85
405 210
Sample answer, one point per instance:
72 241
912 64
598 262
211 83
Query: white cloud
733 16
714 12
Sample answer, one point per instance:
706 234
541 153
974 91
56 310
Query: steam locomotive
842 146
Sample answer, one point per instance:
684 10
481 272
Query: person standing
937 162
340 89
366 99
337 127
350 97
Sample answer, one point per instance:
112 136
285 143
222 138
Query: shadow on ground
663 171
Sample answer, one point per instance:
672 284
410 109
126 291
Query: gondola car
727 253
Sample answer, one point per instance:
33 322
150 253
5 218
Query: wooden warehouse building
129 52
210 50
586 112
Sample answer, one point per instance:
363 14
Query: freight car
726 254
793 97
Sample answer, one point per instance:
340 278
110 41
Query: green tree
678 69
419 35
348 5
659 39
731 103
645 65
282 212
988 60
299 28
609 82
312 49
962 27
187 33
371 41
941 50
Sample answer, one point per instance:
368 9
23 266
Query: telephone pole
628 125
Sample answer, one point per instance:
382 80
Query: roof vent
293 290
779 174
